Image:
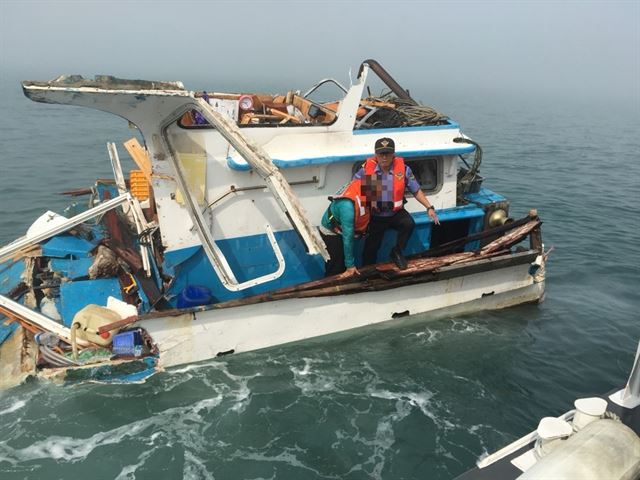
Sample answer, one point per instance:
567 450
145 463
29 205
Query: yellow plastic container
92 317
138 185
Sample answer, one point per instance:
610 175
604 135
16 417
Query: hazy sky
581 48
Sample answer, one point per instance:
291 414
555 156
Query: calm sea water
417 399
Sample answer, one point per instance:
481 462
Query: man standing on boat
388 210
346 219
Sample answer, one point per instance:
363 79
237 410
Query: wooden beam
140 156
285 116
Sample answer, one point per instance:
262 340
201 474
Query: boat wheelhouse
214 244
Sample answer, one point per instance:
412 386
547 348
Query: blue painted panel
421 238
252 256
475 226
145 303
249 257
6 330
484 197
111 188
62 246
305 162
70 268
176 257
458 213
77 295
97 233
10 275
75 208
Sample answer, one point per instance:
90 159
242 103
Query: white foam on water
287 456
195 468
475 430
128 472
241 393
426 336
385 434
309 381
465 326
421 400
70 449
237 390
479 392
194 367
17 405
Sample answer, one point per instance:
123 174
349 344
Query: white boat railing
275 181
517 445
34 318
28 241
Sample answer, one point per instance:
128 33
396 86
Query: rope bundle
406 113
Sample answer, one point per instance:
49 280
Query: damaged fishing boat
211 247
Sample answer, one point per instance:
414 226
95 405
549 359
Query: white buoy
588 410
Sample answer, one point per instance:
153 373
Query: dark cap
385 145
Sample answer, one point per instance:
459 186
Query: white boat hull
202 335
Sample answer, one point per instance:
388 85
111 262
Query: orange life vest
399 185
353 192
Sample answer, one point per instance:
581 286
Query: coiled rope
406 113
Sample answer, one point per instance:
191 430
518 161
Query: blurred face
385 160
371 186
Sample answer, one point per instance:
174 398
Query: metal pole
12 248
386 78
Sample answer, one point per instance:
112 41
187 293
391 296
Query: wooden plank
285 116
376 103
140 156
18 356
496 261
119 324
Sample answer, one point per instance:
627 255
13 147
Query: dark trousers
335 247
402 222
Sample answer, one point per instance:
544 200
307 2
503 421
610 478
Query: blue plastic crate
128 343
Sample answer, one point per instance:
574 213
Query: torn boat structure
211 246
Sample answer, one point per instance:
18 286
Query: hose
45 341
465 181
56 359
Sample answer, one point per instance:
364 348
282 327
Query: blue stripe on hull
234 164
252 256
